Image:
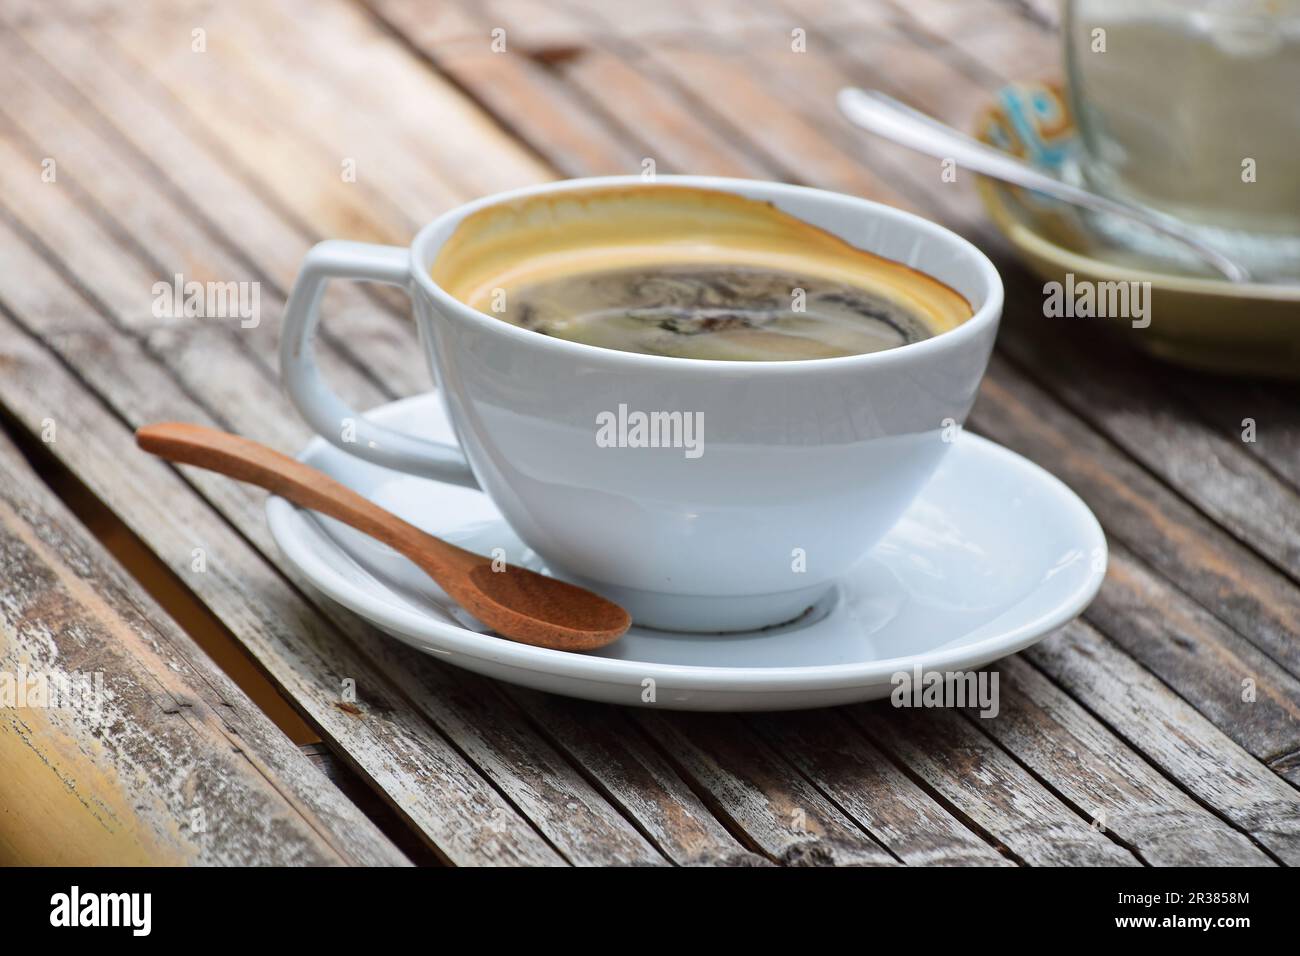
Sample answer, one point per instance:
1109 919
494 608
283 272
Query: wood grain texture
635 775
1233 407
990 788
1288 768
413 765
1057 740
1254 603
752 788
1170 733
132 117
1105 383
148 754
871 788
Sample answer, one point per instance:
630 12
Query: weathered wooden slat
109 186
830 16
618 87
988 787
364 797
146 753
640 110
805 82
1287 767
1208 564
589 837
883 58
985 41
753 787
293 137
951 19
270 242
1206 662
1237 408
337 145
201 85
643 22
786 140
715 83
1172 734
1045 14
95 177
1061 743
496 736
425 777
353 55
537 105
1107 384
886 57
637 777
878 795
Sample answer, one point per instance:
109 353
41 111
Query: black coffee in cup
696 310
688 273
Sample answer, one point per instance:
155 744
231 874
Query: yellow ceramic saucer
1199 321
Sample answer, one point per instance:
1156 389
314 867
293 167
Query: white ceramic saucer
994 555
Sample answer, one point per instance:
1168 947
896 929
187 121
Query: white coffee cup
802 467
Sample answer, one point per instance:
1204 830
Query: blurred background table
219 140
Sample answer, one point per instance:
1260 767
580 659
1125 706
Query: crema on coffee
688 273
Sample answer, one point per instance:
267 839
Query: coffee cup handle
328 414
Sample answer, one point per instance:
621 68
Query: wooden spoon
515 602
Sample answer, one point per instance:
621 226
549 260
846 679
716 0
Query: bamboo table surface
214 140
